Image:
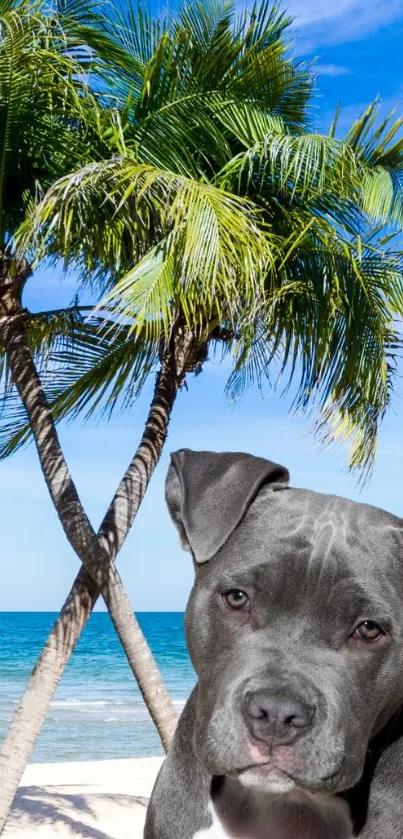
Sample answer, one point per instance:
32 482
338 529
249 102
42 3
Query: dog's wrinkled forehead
300 544
215 498
324 524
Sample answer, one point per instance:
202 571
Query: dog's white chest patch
215 831
266 827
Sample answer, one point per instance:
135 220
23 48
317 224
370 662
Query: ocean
97 711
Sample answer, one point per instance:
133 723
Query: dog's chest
286 817
215 831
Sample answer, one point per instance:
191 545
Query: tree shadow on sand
37 806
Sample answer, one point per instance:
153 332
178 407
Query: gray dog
295 629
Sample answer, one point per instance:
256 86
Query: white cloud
343 20
331 70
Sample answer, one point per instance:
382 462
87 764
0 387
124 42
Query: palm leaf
41 87
330 329
86 368
379 145
204 244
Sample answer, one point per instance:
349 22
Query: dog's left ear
208 494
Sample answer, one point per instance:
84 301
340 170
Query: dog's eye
236 599
368 631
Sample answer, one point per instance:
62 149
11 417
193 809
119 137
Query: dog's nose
277 718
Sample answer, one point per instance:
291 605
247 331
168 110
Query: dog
295 628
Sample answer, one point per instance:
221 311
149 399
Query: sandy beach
94 799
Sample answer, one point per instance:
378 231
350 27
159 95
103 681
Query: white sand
104 799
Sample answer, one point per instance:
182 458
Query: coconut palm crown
221 209
221 206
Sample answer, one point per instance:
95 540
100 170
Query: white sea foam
74 703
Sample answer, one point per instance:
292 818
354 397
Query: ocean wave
102 703
132 720
74 703
98 696
109 710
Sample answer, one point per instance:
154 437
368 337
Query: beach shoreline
102 799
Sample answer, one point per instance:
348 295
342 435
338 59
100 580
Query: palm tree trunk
98 553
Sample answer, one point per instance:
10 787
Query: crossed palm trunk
97 552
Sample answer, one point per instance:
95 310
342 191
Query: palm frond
379 145
309 164
201 249
86 367
41 87
330 327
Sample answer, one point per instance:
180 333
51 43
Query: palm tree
219 218
33 44
213 98
43 132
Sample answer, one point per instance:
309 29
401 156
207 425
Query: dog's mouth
281 765
281 779
265 775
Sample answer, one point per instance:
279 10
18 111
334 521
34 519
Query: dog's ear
208 494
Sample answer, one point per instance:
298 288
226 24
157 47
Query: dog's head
294 624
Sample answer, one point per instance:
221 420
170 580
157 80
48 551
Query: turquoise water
97 712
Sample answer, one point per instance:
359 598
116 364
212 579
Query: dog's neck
241 813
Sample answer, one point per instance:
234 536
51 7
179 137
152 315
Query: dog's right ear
208 494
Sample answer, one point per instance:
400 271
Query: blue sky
358 48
